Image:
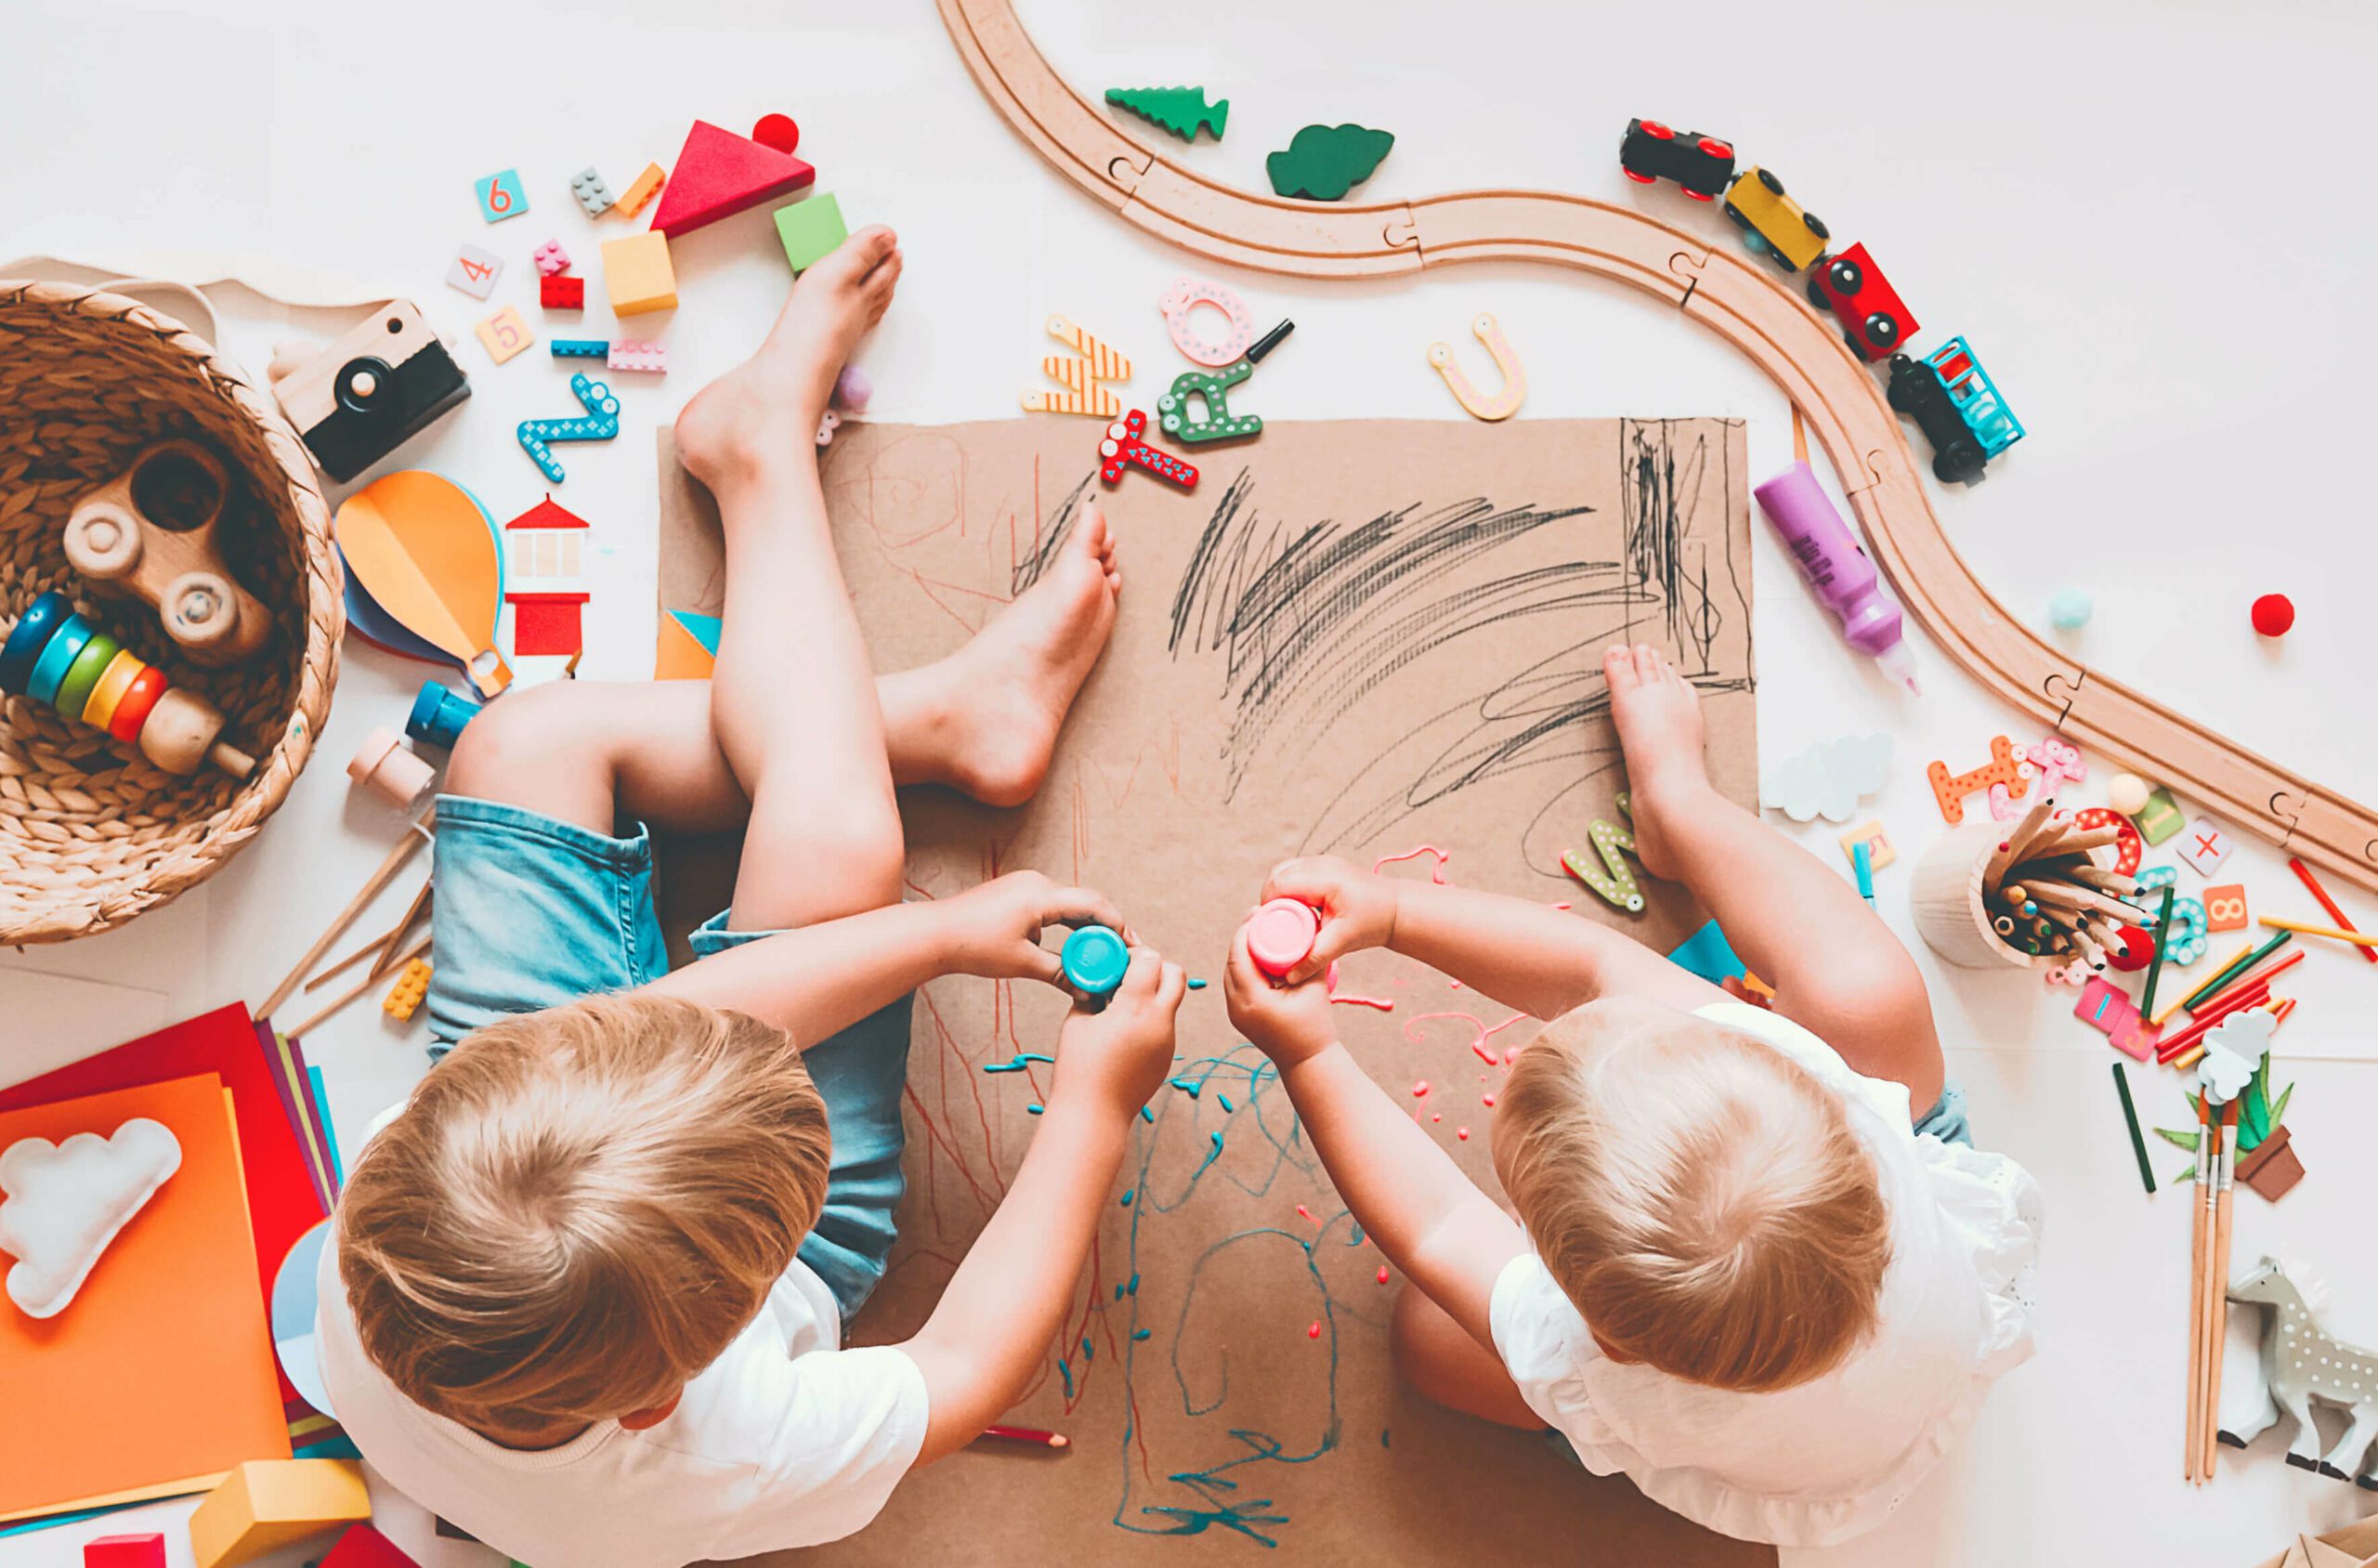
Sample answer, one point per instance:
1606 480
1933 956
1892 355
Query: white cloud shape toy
62 1204
1828 779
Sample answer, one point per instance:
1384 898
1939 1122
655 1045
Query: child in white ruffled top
1744 1272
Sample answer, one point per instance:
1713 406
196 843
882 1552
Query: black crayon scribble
1314 617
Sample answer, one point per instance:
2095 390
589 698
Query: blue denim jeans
533 912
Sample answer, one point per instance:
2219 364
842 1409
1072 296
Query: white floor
2146 219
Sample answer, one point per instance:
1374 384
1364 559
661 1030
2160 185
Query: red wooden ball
2274 613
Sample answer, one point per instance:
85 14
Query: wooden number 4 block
474 271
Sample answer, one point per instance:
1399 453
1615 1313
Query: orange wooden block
637 274
160 1376
2224 907
269 1502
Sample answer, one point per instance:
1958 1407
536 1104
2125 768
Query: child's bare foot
1658 715
768 406
1007 691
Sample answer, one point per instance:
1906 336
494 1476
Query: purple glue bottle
1836 568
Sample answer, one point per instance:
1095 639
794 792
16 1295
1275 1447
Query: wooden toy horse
2302 1362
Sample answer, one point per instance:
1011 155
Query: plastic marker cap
1094 959
1280 935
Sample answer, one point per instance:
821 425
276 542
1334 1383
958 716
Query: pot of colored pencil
2030 893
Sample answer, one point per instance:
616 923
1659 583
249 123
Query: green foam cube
810 229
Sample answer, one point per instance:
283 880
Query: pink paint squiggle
1478 1041
1385 1005
1436 872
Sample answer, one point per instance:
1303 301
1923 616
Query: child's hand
994 929
1357 908
1287 1023
1117 1059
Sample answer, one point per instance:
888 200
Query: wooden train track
1731 295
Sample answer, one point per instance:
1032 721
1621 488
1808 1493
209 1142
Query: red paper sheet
161 1369
282 1204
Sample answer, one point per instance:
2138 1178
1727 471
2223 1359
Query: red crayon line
1032 1435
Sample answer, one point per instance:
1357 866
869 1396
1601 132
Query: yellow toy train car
1773 224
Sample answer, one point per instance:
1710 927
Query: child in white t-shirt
1749 1277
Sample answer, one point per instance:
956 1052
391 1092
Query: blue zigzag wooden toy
601 423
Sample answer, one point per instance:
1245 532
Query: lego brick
637 274
580 349
504 334
720 174
125 1551
1879 851
550 258
404 997
2225 908
2204 846
474 271
2160 818
810 229
642 189
501 196
562 293
269 1502
629 355
591 193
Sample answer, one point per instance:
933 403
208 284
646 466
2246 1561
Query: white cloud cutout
62 1204
1828 779
2232 1052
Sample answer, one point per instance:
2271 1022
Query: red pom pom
776 131
2274 613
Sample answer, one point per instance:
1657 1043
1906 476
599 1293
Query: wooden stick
339 1001
2067 838
416 836
2199 1213
2304 874
387 959
2335 933
343 966
2065 895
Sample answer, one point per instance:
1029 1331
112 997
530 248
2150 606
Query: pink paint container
1280 935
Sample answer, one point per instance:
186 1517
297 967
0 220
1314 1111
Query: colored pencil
2253 994
2335 933
2130 1117
2017 838
2234 968
2304 874
1029 1435
2155 971
2179 1002
2247 976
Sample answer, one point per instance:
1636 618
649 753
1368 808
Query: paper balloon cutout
421 547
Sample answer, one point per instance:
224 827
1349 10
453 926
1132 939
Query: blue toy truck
1957 406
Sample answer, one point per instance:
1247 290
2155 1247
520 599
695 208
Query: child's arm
1429 1219
1530 956
983 1344
822 978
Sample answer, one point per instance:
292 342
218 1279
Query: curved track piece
1844 405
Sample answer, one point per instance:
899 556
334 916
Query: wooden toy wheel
103 541
199 609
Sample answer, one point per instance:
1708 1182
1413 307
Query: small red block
2274 613
125 1551
363 1546
562 293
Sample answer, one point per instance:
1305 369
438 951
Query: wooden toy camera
152 529
358 400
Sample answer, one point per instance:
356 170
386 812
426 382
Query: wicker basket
91 833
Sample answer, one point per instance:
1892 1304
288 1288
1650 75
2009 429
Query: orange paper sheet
160 1372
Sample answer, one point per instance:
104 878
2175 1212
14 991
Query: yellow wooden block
638 273
269 1503
646 187
504 334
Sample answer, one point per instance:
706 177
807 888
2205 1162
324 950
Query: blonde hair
1698 1196
581 1209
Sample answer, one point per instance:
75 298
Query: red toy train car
1651 152
1874 319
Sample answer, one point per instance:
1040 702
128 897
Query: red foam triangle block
720 174
363 1546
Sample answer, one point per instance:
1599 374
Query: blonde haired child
588 1287
1744 1273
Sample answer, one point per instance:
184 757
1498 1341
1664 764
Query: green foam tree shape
1323 163
1182 111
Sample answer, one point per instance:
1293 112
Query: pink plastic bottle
1280 935
1836 568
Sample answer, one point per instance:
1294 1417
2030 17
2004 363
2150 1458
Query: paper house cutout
720 174
61 1204
545 580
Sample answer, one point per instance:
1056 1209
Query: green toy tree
1182 111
